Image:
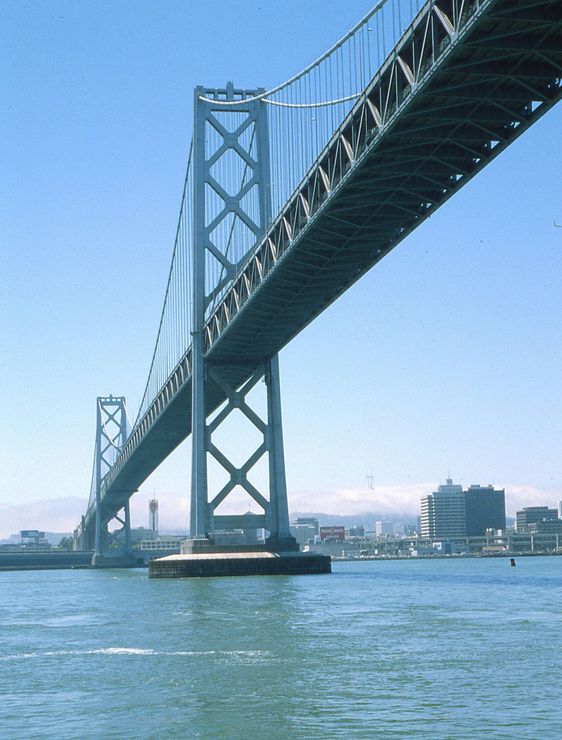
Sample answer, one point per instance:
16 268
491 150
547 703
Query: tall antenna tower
153 515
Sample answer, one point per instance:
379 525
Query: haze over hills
54 515
366 520
347 506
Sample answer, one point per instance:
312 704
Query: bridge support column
79 536
98 464
98 549
275 516
231 210
128 547
111 435
280 532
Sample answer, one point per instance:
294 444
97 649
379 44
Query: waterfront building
560 509
339 549
531 517
548 526
137 535
451 512
484 509
33 539
305 530
443 513
308 521
167 542
332 534
384 528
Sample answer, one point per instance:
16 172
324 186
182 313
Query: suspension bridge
291 195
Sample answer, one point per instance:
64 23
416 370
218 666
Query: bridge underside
494 81
494 85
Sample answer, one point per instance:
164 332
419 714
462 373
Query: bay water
451 648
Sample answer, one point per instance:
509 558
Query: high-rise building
485 509
332 534
153 515
383 528
305 530
443 512
560 509
308 521
530 518
452 512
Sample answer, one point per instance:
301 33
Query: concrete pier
252 563
121 560
44 560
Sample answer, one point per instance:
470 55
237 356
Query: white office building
383 528
443 513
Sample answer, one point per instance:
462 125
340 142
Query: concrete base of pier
44 560
205 545
115 561
229 563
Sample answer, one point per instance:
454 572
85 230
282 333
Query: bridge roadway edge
356 242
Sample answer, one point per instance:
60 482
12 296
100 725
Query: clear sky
447 356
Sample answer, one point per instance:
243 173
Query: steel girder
450 98
466 79
111 435
237 137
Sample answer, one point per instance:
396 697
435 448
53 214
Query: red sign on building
332 534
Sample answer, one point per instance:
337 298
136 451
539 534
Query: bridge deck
422 129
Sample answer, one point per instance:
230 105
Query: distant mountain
351 520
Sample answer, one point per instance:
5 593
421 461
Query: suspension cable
162 315
309 68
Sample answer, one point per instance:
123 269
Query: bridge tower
231 186
111 435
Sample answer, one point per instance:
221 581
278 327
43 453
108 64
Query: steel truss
508 74
111 435
240 132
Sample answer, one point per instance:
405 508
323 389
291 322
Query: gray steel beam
266 321
250 115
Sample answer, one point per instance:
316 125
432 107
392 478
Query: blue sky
447 356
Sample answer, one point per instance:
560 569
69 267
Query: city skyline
392 502
453 362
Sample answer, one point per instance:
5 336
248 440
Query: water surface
459 648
